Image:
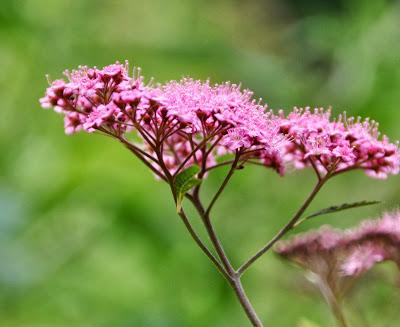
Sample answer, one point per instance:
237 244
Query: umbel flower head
187 122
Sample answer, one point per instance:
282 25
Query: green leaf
337 208
184 182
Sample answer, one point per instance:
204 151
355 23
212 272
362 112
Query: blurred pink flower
372 242
335 256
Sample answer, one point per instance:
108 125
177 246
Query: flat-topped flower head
213 120
334 146
374 241
337 257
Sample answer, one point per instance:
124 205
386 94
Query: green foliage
184 182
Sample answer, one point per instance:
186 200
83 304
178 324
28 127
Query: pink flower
344 153
237 138
73 122
99 116
113 70
53 95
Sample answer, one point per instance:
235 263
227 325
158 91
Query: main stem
231 276
234 278
226 269
248 308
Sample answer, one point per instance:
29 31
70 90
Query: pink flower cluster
373 242
210 109
337 145
223 117
349 253
193 122
181 123
95 99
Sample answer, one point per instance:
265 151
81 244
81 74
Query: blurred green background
89 238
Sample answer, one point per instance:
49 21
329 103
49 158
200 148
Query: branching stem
221 260
233 278
286 228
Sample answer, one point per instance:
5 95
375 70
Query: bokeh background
89 238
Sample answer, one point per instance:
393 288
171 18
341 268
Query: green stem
333 301
286 228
